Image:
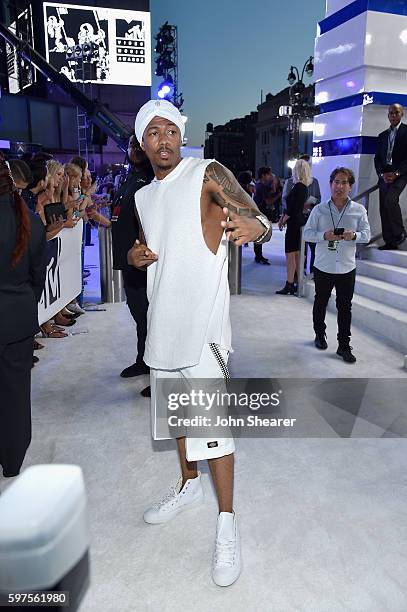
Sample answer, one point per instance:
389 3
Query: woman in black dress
294 218
22 277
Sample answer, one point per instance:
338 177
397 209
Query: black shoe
35 359
262 260
146 392
137 369
320 342
389 246
289 289
346 353
10 474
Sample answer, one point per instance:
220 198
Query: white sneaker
177 500
75 308
226 558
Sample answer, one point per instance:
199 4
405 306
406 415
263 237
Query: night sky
230 50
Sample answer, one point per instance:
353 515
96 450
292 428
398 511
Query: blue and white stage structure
360 68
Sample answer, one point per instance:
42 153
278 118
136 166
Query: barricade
63 280
111 281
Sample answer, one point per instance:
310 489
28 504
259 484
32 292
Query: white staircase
380 300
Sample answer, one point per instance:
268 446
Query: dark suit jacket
20 287
399 156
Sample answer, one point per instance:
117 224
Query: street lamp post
297 104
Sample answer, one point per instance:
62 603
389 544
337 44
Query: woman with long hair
294 219
57 181
22 277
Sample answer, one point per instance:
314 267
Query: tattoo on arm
227 192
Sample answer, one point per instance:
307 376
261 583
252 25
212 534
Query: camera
338 231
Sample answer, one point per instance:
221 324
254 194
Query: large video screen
21 73
101 45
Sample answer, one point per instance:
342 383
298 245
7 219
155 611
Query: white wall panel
338 124
386 40
340 86
341 49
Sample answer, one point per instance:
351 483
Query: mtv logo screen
114 44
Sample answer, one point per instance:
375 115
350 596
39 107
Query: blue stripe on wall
369 97
394 7
345 146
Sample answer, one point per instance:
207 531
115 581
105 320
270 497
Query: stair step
393 258
384 320
394 275
387 322
381 291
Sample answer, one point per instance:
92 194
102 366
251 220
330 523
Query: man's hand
282 222
226 192
348 235
242 229
389 177
140 256
329 235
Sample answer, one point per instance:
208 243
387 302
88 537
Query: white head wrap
157 108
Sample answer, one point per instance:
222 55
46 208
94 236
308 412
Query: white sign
285 111
63 281
116 42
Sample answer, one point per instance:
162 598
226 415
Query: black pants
137 302
15 403
258 251
390 213
344 285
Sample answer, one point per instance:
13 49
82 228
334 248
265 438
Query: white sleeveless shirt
187 288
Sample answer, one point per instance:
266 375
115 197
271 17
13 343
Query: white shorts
212 365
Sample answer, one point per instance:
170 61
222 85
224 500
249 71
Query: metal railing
235 269
111 281
363 198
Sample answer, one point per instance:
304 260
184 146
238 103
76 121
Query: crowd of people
40 197
286 202
43 180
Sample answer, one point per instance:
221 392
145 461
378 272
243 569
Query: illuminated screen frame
120 42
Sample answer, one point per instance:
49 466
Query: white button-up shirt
342 259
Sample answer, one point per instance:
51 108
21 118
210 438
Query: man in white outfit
187 214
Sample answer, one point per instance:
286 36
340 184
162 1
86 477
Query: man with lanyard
187 213
336 226
125 230
391 167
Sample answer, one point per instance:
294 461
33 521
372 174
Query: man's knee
322 298
392 197
344 302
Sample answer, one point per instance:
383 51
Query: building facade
272 132
233 144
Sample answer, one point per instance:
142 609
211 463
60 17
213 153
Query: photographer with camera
336 226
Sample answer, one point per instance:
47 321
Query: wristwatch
354 236
267 225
